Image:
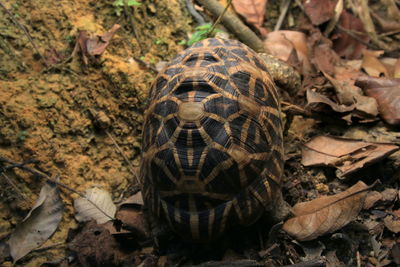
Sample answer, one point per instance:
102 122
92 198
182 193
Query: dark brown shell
212 140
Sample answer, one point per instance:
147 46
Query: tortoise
212 148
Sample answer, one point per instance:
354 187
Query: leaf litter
40 223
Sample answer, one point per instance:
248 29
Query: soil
62 117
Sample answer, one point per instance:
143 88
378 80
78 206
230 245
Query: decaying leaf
371 198
320 11
40 223
253 12
282 44
86 211
347 155
349 94
344 44
325 214
318 102
96 45
387 94
391 223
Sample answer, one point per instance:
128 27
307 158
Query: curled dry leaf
40 223
325 214
387 94
318 102
253 12
282 44
96 45
86 211
347 155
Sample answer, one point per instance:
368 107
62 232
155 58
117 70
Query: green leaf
133 3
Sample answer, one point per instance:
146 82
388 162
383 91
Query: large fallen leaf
347 155
318 102
40 223
97 205
325 214
253 12
387 94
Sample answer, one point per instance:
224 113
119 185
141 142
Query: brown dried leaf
371 198
391 223
347 155
349 94
282 44
97 45
387 94
314 101
40 223
344 44
372 65
320 11
325 214
396 72
253 12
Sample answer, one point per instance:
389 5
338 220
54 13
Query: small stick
219 18
196 15
13 185
235 25
285 7
25 31
132 21
124 156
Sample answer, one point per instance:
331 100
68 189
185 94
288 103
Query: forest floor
75 117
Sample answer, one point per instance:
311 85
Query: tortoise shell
212 140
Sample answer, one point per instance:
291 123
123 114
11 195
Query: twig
335 19
52 180
354 35
25 31
235 25
285 7
124 156
216 22
196 15
132 21
13 185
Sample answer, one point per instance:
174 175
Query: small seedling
200 34
119 5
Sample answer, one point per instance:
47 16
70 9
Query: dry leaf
314 101
387 94
40 223
97 45
253 12
372 65
349 94
347 155
325 214
371 199
136 199
391 223
282 44
320 11
86 211
344 44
